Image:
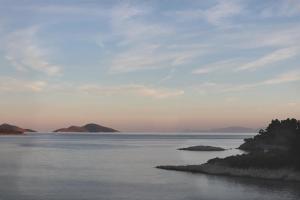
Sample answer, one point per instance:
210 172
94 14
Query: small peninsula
272 154
91 128
202 148
7 129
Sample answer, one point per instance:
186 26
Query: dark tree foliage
268 160
274 147
278 133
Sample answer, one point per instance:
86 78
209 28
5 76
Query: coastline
285 174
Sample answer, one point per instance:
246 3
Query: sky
157 65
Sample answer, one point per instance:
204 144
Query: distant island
92 128
7 129
202 148
231 129
272 154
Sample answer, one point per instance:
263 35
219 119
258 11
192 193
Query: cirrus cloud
9 84
140 90
271 58
24 53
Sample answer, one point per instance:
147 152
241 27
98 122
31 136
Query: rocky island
202 148
7 129
272 154
91 128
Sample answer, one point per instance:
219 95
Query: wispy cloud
125 11
140 57
135 40
209 87
151 57
213 87
222 11
284 78
212 67
287 36
217 15
287 77
271 58
168 76
144 44
9 84
141 90
66 9
130 24
63 11
286 8
24 53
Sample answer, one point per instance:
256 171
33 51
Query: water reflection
108 167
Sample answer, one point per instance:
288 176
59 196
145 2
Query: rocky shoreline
271 154
286 174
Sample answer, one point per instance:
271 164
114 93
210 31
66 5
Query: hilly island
7 129
91 128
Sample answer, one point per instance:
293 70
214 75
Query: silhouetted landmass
92 128
30 130
272 154
280 135
202 148
7 129
231 129
71 129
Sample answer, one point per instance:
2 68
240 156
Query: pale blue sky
149 65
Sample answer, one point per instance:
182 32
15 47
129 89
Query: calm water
113 166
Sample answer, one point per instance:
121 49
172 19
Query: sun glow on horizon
149 65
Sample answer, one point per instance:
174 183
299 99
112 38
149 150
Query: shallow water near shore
121 166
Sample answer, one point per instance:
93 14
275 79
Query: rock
202 148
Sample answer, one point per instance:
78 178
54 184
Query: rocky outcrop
202 148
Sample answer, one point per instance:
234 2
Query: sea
121 166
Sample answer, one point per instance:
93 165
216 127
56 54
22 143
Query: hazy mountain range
231 129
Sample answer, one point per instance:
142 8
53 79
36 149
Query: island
91 128
202 148
272 154
7 129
